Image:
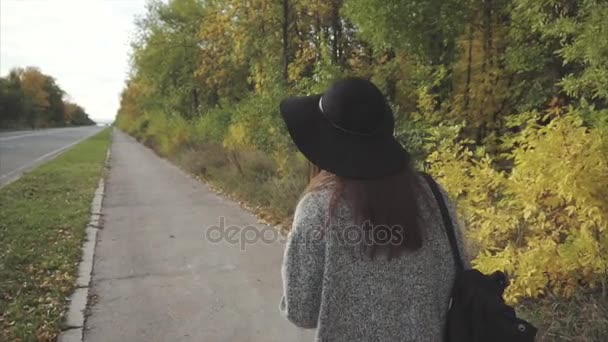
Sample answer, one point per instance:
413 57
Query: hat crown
357 106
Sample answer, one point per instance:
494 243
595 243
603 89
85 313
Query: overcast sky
84 44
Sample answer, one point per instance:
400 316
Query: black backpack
477 310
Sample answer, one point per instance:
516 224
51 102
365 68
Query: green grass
43 217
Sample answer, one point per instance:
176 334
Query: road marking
50 131
37 160
24 135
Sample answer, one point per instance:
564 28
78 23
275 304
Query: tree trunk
285 41
195 101
391 82
486 67
467 89
234 156
336 32
318 37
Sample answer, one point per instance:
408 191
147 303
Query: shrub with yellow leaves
544 218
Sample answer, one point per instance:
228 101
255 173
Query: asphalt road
21 151
157 277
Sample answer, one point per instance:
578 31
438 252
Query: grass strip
43 216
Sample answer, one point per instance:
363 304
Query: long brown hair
388 203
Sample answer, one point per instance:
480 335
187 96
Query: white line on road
45 131
37 160
24 135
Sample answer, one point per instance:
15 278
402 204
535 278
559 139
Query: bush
545 220
256 124
169 132
253 177
202 158
212 126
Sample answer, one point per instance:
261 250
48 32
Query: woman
367 258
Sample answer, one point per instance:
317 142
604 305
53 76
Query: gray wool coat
329 285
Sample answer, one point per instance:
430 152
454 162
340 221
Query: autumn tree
29 98
504 101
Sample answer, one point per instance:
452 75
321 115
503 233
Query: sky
83 44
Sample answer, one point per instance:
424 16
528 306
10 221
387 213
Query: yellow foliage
33 83
303 59
544 220
237 137
168 132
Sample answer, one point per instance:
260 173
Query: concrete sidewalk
157 277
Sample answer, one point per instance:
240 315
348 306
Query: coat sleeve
304 264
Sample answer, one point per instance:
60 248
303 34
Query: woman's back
382 269
332 285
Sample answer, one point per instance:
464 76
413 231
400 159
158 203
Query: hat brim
337 151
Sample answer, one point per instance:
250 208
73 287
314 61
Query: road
21 151
158 278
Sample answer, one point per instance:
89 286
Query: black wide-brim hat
347 131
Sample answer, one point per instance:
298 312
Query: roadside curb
74 320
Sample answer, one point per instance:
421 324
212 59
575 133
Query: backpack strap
447 220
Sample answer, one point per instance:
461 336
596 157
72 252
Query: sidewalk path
157 278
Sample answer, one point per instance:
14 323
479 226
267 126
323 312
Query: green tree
30 98
166 55
11 101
